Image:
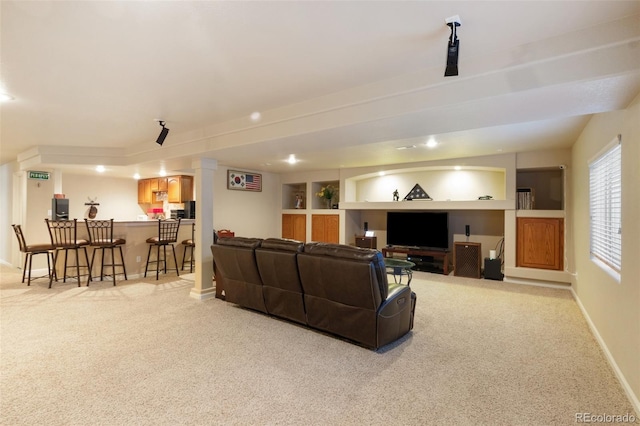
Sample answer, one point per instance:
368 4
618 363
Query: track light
453 47
163 133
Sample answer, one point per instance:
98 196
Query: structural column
203 287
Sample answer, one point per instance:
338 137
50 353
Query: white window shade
605 205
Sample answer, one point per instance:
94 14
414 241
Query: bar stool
189 246
32 249
64 237
101 238
167 235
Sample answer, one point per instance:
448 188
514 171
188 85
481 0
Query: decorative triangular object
417 193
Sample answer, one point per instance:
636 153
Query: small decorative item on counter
327 193
396 195
93 210
155 213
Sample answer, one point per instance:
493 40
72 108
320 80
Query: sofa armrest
398 299
395 315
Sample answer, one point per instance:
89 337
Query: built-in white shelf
431 205
540 213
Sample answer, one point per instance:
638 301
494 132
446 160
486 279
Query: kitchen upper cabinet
294 226
158 184
179 189
540 243
144 191
325 228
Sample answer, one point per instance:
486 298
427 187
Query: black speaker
467 230
466 259
366 226
492 269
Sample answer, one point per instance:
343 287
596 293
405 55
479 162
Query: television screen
418 229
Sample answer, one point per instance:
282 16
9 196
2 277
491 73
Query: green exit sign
38 175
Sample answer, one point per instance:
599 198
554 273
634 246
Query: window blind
605 205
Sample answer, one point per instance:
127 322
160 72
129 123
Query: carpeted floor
145 353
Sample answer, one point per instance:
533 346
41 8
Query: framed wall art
244 181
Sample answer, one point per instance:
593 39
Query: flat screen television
427 230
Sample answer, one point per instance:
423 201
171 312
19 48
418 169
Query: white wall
442 185
118 197
7 237
611 306
247 213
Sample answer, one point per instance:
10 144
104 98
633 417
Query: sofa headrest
250 243
341 250
283 244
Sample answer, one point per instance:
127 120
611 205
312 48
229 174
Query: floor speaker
466 259
492 269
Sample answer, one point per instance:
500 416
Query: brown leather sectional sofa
335 288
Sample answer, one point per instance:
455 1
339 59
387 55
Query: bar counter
136 249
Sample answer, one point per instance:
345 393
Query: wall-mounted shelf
431 205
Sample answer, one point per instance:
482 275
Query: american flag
253 181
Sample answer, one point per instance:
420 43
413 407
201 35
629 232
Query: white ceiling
339 84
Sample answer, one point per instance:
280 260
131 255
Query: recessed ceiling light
381 173
4 97
292 159
163 172
458 168
100 169
255 116
431 143
136 176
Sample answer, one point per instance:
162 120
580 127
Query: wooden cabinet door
186 188
144 191
325 228
173 189
540 243
294 226
162 184
154 184
179 189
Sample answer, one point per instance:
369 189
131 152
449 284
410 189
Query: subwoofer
466 259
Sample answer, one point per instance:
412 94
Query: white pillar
203 288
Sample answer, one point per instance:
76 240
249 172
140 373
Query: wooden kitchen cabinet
158 184
325 228
144 191
540 243
294 226
179 189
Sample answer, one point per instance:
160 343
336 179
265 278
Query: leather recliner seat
335 288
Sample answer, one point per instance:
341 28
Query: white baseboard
623 381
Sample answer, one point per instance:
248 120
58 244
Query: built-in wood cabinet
325 228
294 226
144 191
540 243
179 189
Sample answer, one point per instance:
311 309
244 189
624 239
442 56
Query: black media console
425 260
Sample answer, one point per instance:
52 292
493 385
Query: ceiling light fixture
5 97
431 143
163 133
292 159
255 116
453 48
136 176
100 169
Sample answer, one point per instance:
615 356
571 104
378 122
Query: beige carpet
145 353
